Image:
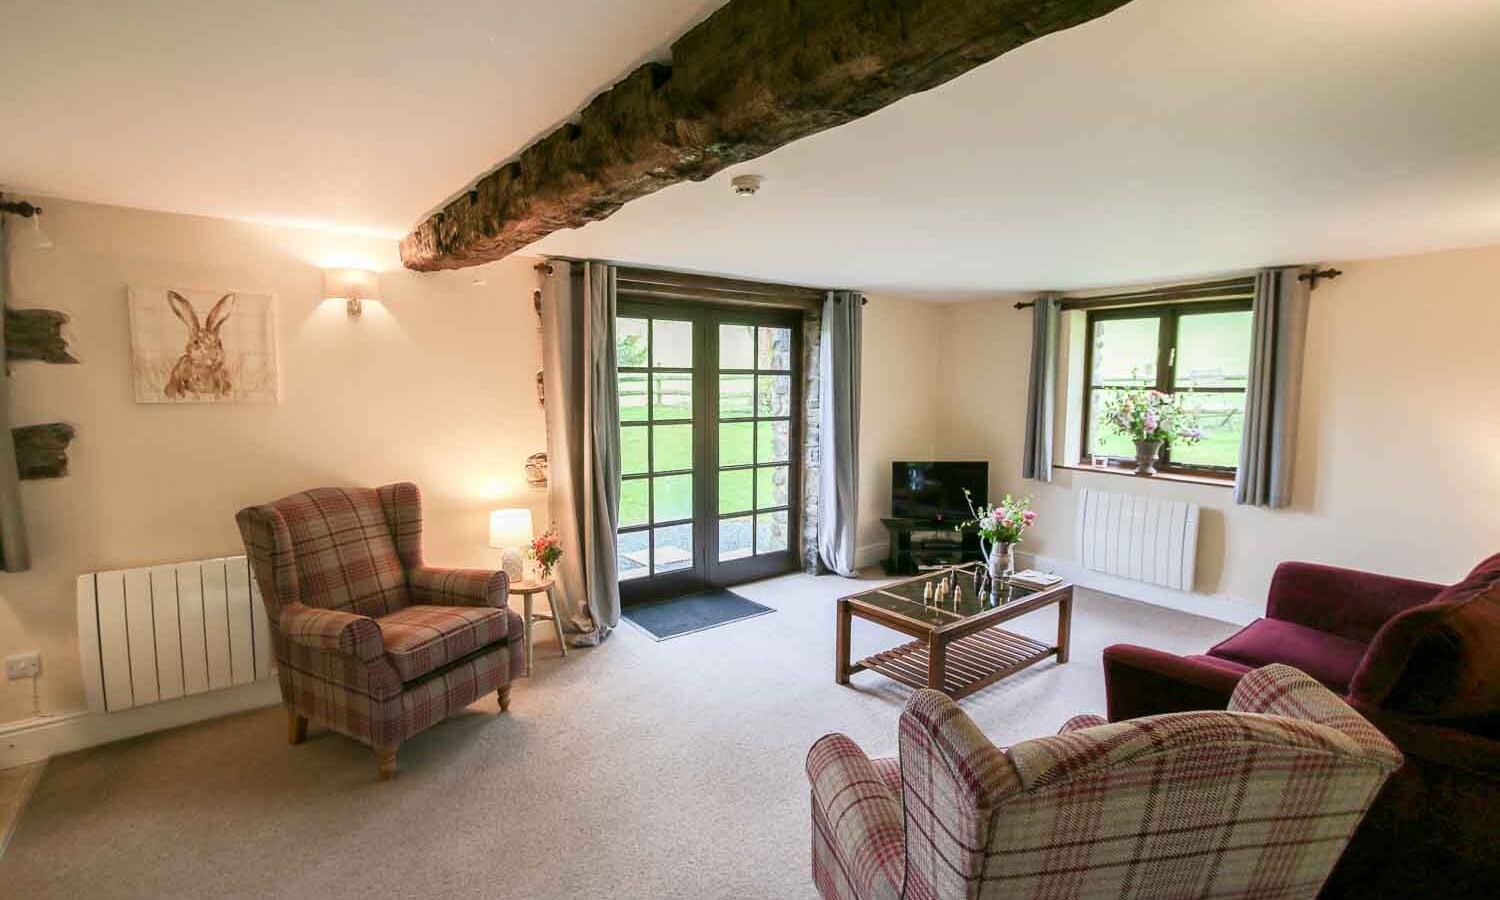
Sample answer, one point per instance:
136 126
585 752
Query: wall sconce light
352 285
37 239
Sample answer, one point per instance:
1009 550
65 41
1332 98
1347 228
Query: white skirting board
41 737
1220 608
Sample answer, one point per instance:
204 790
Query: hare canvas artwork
193 346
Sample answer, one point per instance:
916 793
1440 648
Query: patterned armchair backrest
336 548
1257 801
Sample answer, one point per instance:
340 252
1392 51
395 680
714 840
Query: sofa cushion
422 639
1437 660
1327 657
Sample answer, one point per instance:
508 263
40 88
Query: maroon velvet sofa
1422 662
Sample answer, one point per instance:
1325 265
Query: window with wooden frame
1200 349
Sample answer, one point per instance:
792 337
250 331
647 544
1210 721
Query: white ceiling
1171 138
357 114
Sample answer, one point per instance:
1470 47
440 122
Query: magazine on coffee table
1034 578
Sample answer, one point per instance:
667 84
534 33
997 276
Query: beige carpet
635 770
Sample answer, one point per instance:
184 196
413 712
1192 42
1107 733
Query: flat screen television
934 491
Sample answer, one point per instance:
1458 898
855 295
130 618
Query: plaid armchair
1258 801
369 640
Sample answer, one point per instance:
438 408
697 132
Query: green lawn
674 450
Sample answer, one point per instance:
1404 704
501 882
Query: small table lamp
510 531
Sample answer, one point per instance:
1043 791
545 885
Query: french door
710 398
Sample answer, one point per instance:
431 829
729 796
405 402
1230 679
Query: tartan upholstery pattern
457 587
340 570
329 629
854 807
343 550
1255 802
420 639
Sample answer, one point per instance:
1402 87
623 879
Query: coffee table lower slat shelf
971 662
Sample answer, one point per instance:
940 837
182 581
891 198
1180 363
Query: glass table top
970 596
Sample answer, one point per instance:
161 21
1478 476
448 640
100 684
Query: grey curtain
15 555
838 405
583 441
1042 388
1279 328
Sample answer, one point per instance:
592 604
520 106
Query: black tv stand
944 547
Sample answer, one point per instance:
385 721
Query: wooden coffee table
959 647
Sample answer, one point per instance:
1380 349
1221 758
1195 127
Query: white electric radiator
1140 538
168 631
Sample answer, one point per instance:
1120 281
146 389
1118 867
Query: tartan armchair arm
1079 723
1280 690
332 630
860 816
458 587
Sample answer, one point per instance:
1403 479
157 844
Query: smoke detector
746 185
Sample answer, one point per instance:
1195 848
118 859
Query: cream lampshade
353 285
510 531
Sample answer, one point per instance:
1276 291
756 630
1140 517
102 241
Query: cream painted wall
1398 459
434 385
899 385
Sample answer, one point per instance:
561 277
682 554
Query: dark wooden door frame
706 570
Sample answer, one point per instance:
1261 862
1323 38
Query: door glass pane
772 441
736 443
734 538
1213 350
775 348
633 459
736 346
1125 352
770 532
671 395
735 400
773 395
672 447
671 344
734 490
1222 418
632 555
632 396
630 343
634 504
674 549
771 486
673 495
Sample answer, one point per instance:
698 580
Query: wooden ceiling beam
754 76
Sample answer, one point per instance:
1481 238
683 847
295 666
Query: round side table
528 589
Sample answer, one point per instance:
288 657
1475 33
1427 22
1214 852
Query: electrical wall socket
23 665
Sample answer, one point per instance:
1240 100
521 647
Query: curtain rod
1202 290
1206 290
682 285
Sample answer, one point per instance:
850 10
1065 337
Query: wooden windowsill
1182 477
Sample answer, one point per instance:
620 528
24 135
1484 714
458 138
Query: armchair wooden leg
385 762
296 727
503 693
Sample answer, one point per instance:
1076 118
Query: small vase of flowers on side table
1152 420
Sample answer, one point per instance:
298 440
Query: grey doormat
666 619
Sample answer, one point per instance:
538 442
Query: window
1199 349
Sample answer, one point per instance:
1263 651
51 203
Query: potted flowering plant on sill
1000 525
1152 420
